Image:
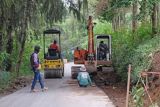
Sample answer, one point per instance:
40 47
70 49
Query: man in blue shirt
83 78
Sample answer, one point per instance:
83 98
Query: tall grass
5 78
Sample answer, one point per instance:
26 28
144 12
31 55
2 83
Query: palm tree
4 15
76 6
24 25
53 10
7 10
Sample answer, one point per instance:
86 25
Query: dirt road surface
63 92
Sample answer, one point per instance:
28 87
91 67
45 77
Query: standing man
35 64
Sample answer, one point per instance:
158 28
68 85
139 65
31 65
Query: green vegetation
133 24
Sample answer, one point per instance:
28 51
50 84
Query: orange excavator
92 58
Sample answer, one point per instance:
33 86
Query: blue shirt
84 78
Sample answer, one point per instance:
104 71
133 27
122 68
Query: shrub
4 79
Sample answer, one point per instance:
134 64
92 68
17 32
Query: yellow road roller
53 63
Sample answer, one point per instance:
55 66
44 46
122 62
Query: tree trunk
16 41
1 29
158 16
28 5
85 10
9 45
144 10
114 24
134 14
123 19
154 19
9 48
119 21
1 41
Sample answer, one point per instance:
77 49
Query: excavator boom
90 37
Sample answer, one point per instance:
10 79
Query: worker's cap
37 47
101 42
82 68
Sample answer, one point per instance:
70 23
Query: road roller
53 63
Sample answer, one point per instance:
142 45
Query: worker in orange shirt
77 53
54 46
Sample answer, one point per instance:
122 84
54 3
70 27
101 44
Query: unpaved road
62 93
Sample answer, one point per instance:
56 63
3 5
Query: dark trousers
83 85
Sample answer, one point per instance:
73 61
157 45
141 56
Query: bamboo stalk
128 84
147 92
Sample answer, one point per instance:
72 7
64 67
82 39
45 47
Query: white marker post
128 84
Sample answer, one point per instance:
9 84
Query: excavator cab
103 44
103 52
53 63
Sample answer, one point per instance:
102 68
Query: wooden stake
128 84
